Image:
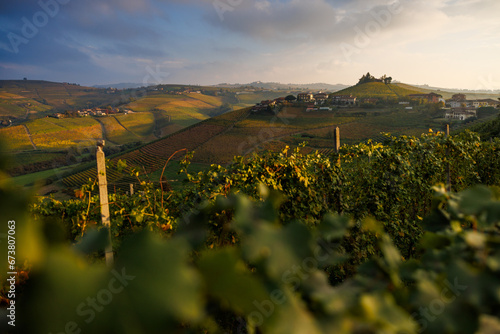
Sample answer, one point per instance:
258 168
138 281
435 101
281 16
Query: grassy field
115 132
140 124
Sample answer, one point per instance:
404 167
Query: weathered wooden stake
337 139
337 150
448 175
103 197
131 189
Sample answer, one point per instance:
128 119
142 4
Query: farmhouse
305 97
461 113
344 100
320 98
430 98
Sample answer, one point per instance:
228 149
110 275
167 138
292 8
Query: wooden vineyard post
337 150
337 141
131 189
103 197
448 176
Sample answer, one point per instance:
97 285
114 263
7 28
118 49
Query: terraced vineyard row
141 159
189 139
326 151
76 180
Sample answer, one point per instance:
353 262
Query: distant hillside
485 92
288 86
25 98
182 110
378 90
123 85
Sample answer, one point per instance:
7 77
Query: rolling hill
379 90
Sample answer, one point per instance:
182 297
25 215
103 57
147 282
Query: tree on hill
370 78
290 98
366 78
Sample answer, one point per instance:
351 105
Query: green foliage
274 279
488 130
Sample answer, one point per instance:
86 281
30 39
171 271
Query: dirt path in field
104 132
29 136
123 126
27 113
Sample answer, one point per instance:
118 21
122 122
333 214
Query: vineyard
184 110
140 124
115 132
52 134
16 138
366 240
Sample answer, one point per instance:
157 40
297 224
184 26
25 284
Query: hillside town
458 107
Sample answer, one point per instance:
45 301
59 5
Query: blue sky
452 44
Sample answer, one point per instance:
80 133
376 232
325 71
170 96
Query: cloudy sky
447 43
